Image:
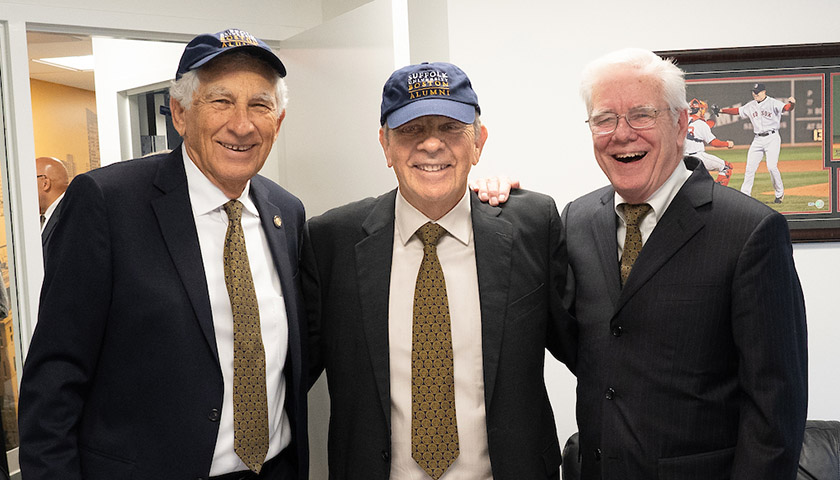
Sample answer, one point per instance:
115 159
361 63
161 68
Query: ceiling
50 45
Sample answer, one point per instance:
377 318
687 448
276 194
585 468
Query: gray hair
647 63
183 89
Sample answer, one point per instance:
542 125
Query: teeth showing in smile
431 168
236 148
629 157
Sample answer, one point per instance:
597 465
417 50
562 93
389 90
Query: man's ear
178 114
479 143
383 140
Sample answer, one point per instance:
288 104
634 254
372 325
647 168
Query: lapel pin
277 222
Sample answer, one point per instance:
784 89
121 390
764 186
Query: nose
431 143
240 121
623 131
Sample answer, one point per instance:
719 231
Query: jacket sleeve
73 312
562 332
768 323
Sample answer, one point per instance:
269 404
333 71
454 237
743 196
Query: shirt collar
49 211
457 222
207 198
662 197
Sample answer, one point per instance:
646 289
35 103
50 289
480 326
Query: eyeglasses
639 118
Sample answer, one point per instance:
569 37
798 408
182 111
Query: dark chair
819 460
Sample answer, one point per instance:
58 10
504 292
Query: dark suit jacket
697 368
46 235
521 262
122 379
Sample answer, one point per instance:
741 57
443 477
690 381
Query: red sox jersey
765 116
699 134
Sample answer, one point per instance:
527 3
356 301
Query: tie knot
233 209
430 233
633 213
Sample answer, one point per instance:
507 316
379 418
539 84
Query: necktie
250 409
43 219
633 215
434 439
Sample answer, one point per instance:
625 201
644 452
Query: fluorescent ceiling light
83 63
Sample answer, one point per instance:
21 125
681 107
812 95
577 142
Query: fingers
494 190
730 144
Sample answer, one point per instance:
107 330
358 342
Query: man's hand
730 144
494 190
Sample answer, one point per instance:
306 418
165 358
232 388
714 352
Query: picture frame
806 136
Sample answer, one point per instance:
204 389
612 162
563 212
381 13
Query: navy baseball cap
758 87
428 89
206 47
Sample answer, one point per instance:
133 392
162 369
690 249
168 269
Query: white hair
183 89
647 63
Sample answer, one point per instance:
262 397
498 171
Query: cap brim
251 49
432 106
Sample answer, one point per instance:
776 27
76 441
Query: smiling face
232 123
637 162
432 156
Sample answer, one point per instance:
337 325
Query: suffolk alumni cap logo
206 47
428 89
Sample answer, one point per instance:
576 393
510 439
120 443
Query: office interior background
524 59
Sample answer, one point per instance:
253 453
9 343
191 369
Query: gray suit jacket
697 368
521 263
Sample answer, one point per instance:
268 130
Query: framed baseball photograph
766 121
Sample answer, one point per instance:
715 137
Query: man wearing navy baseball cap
430 311
169 339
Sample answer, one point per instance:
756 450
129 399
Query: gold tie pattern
633 215
434 432
250 407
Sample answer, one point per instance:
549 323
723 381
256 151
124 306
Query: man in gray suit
692 357
437 371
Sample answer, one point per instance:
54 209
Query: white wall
122 65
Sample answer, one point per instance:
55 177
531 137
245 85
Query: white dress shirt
211 223
659 202
456 251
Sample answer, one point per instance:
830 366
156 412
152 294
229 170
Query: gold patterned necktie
250 408
633 215
434 435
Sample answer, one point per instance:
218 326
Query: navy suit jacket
697 368
122 379
521 266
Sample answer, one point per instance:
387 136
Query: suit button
617 331
610 394
597 454
214 415
385 456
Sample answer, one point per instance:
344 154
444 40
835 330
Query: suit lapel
604 234
276 237
50 226
493 238
373 270
679 224
177 225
